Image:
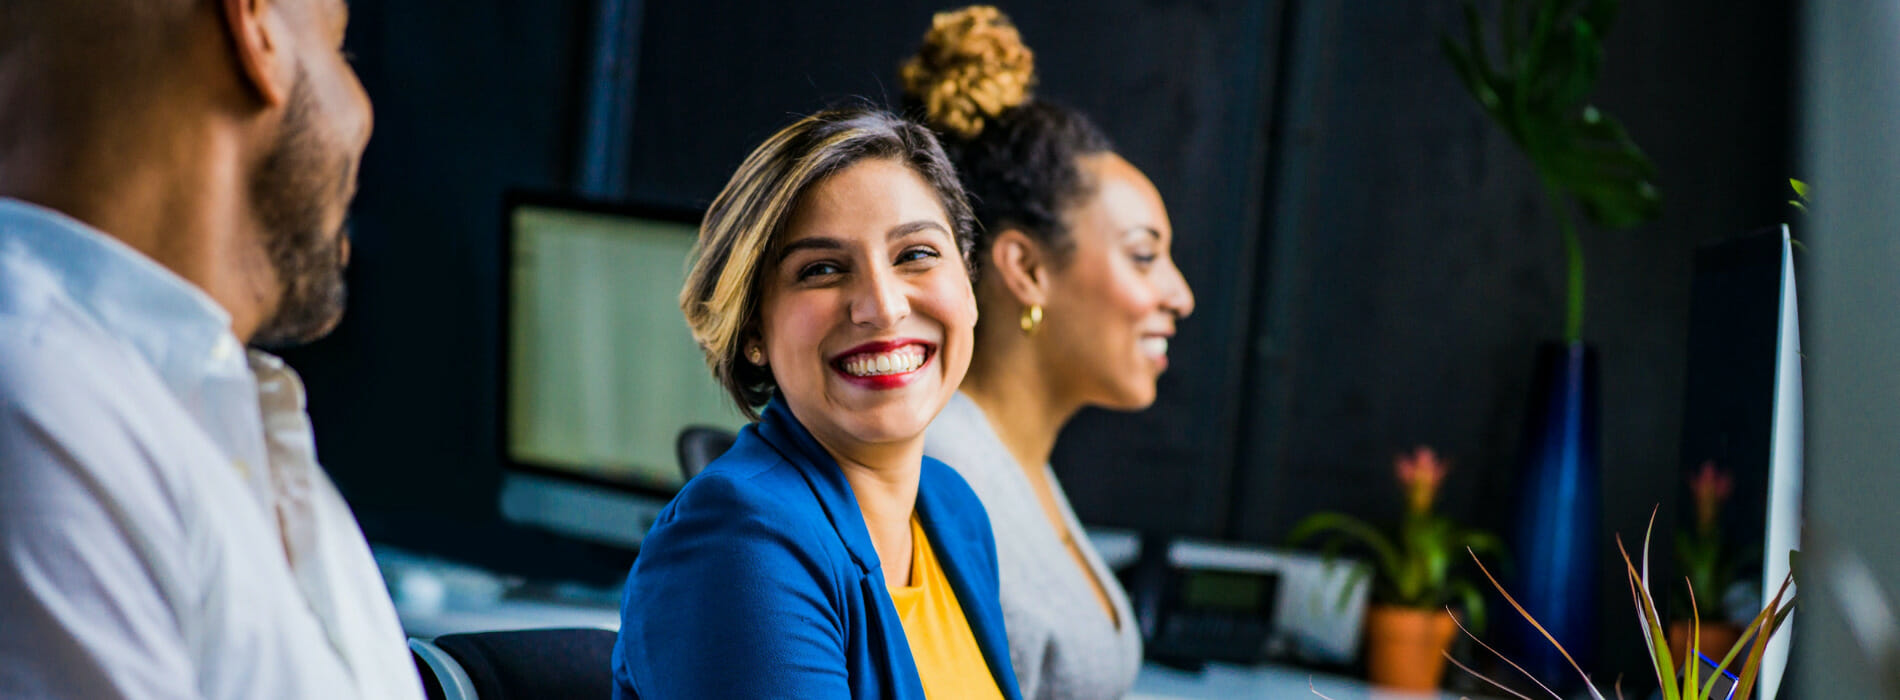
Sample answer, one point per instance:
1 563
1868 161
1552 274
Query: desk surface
1156 682
1228 681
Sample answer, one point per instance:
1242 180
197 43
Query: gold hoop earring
755 355
1032 318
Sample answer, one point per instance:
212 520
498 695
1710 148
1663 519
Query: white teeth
899 361
1154 347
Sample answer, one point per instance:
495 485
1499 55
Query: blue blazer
759 581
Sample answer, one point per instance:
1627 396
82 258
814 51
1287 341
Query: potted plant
1409 626
1532 71
1741 664
1707 565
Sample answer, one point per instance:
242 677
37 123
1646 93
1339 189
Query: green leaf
1664 663
1647 617
1761 629
1587 57
1800 188
1537 92
1358 573
1354 528
1481 542
1692 671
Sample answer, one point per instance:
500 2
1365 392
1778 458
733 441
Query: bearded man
174 180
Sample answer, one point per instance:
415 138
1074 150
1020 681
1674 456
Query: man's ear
1021 264
260 47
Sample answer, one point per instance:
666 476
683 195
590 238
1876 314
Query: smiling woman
824 555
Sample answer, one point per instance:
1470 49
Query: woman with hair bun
1078 299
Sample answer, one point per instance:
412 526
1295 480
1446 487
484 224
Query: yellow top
948 658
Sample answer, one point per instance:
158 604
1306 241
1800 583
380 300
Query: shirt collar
172 323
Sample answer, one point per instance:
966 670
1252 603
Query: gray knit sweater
1063 645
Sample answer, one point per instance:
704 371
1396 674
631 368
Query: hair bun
972 66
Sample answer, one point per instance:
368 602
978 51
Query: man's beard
293 189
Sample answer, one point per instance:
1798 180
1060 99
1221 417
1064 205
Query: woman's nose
1178 297
881 301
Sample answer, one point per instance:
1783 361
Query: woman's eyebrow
810 243
910 227
1150 230
829 243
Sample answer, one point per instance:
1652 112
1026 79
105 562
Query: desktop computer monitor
1743 412
600 373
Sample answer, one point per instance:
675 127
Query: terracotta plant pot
1405 647
1717 639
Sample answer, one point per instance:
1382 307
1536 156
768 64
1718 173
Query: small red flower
1711 487
1420 472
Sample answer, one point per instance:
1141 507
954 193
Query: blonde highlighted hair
739 238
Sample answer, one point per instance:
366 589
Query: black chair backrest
545 663
699 445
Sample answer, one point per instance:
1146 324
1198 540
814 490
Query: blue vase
1556 542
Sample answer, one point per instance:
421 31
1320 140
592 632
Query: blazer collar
780 429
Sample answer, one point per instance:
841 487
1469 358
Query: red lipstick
842 361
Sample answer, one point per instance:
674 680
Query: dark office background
1373 260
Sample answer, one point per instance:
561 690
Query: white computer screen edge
1784 471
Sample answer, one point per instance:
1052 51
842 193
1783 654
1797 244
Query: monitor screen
1741 437
602 372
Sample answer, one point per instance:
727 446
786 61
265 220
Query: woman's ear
752 348
1021 265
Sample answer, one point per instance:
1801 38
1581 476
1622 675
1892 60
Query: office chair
699 445
544 663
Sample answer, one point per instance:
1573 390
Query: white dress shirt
165 530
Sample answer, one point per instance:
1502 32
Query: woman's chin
891 421
1135 395
881 430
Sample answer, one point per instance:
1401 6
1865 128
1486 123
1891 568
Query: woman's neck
1014 388
884 479
1026 406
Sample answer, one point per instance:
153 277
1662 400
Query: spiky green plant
1689 685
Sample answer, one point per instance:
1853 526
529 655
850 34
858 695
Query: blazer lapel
783 432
